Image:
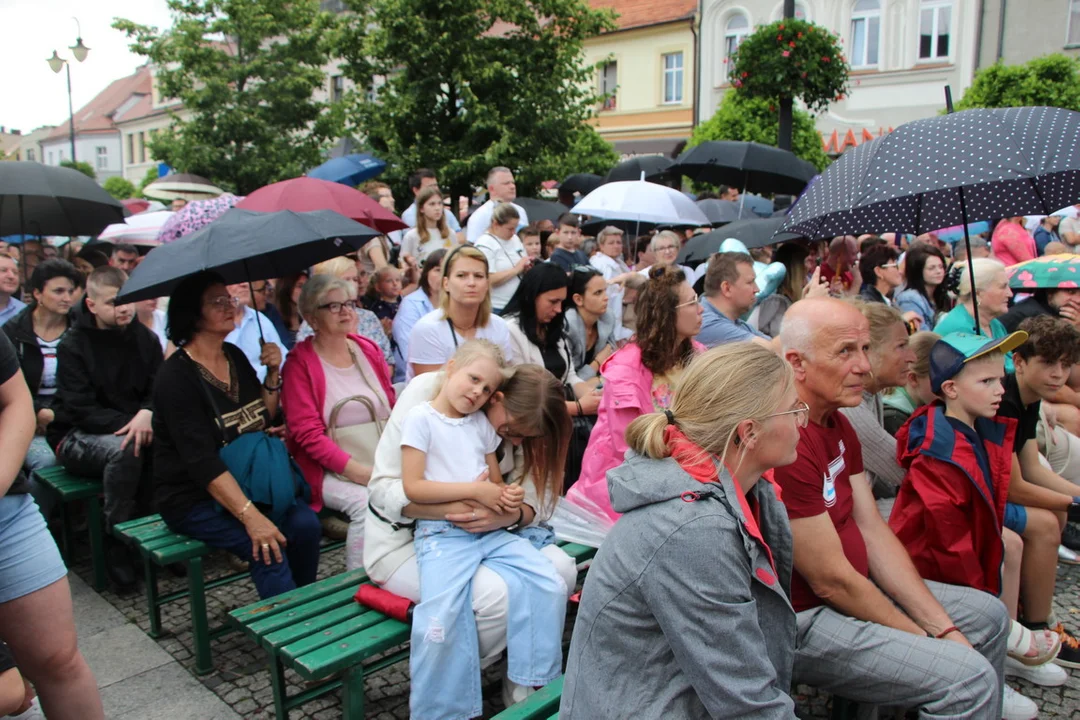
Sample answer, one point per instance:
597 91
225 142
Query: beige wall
134 144
1032 28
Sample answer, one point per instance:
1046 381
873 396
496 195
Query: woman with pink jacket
1011 243
332 365
638 379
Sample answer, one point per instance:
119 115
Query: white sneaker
1046 675
1015 706
512 693
1067 556
32 713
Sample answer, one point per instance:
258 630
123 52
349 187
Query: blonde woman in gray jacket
694 575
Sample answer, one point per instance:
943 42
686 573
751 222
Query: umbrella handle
251 294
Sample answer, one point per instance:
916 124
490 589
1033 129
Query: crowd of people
844 479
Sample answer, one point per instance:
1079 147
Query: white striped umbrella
141 229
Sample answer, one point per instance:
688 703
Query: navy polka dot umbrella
947 170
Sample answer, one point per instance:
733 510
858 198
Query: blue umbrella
349 170
19 239
762 207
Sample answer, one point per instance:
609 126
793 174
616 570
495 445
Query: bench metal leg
199 625
277 681
352 694
97 542
67 539
153 604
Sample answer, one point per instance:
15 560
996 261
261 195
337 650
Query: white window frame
1073 10
612 101
732 39
935 6
865 17
101 157
673 78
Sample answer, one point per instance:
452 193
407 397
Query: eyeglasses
889 266
337 307
261 290
801 413
687 303
666 248
225 302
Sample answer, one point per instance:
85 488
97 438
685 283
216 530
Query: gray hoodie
682 614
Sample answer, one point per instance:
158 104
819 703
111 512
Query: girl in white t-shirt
448 455
432 231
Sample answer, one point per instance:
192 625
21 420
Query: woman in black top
190 475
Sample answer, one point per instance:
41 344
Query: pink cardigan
627 395
1012 244
302 398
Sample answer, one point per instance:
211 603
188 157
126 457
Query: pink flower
781 26
791 44
1068 284
738 83
786 53
825 58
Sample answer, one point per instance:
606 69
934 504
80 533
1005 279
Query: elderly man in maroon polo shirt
869 628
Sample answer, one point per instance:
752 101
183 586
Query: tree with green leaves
756 120
461 86
120 188
246 71
84 167
1052 80
150 176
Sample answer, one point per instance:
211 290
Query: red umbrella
304 194
135 205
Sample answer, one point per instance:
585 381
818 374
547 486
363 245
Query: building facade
137 124
647 69
1021 30
903 53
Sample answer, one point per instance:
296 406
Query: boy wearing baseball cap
951 510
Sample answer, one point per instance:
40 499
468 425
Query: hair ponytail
645 435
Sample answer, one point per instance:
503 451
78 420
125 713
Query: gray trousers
124 476
874 664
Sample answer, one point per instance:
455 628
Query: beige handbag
360 440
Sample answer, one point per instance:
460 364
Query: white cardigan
526 353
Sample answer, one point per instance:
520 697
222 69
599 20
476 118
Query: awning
668 147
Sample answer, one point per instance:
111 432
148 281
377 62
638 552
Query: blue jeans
302 533
39 457
444 660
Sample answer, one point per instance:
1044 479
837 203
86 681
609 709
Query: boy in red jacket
951 512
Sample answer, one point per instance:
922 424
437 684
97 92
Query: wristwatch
273 388
517 523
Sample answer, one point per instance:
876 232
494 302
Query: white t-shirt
433 341
411 245
48 370
501 255
610 267
454 447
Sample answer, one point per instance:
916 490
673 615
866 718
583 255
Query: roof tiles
642 13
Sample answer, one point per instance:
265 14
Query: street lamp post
57 63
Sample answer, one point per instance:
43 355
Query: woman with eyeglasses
334 365
705 553
639 379
880 270
529 413
367 324
464 313
206 395
665 246
991 291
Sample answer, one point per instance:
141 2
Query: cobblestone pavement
241 679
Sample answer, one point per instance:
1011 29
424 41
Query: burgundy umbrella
304 194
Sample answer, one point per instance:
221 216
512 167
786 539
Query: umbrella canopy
1046 272
135 205
244 245
195 216
639 201
307 193
349 170
141 229
755 233
583 183
745 165
948 170
48 200
956 232
184 186
540 210
720 212
655 167
762 207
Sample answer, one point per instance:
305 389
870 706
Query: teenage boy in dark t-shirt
566 255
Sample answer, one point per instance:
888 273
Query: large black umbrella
725 211
948 170
749 166
754 233
540 210
583 183
245 245
53 201
655 168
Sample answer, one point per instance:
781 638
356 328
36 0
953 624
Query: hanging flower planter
792 58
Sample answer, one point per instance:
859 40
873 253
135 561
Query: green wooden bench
158 547
541 705
320 631
69 488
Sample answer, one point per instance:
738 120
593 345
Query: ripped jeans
444 659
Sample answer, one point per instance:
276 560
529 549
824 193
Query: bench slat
578 552
537 706
122 528
304 611
150 531
330 635
294 632
281 603
178 552
350 650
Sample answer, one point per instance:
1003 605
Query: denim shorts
1016 517
29 558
